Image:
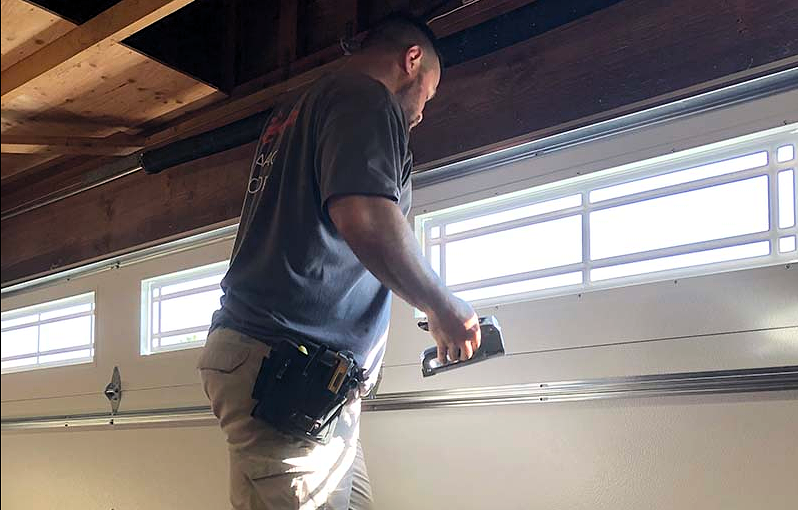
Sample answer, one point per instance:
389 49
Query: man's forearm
380 237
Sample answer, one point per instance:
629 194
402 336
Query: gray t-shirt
292 274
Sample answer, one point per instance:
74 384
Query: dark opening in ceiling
210 41
76 12
191 40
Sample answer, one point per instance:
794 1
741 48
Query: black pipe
221 139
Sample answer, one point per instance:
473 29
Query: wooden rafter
26 144
468 15
110 26
287 31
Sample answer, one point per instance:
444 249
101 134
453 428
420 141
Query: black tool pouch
302 387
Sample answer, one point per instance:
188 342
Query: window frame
146 347
46 307
769 140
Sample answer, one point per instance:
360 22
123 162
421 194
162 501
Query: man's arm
378 234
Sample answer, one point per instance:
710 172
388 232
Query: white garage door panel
715 352
739 301
158 397
161 380
730 453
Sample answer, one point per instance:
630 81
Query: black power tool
492 346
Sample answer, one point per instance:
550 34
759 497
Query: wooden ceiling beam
15 165
110 26
26 144
288 29
469 15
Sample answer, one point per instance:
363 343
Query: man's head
415 63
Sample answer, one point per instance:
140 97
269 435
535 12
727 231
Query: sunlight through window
177 308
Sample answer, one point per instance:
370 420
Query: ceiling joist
110 26
118 145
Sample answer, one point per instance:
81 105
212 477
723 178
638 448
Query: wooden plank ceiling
84 92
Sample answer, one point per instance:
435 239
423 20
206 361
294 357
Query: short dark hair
400 31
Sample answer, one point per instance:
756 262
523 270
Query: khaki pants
269 469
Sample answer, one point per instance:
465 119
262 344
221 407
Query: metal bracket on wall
113 391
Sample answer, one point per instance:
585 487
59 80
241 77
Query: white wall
732 452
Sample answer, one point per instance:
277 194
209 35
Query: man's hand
456 331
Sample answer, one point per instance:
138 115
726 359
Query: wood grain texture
108 91
327 22
472 14
47 178
102 31
15 164
96 222
35 144
634 50
21 39
288 31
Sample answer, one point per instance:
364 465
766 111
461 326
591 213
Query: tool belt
302 387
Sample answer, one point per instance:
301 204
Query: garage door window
716 208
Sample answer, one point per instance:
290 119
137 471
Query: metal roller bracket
113 391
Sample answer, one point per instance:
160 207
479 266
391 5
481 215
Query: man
323 240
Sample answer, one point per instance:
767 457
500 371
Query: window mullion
513 224
586 264
49 353
443 260
49 321
184 331
680 188
38 337
773 204
157 337
681 250
519 277
187 292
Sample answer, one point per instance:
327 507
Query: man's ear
412 61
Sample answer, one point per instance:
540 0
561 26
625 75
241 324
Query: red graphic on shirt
277 125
